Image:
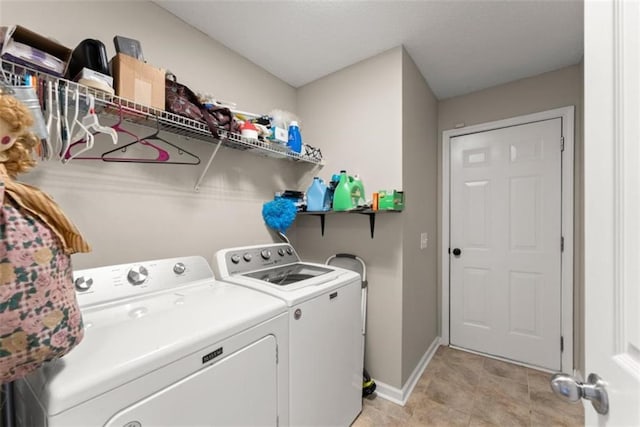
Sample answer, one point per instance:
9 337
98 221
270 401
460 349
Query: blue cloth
279 214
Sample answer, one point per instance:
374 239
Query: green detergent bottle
342 200
357 192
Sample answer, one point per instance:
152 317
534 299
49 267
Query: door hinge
277 355
561 243
562 143
449 251
277 420
561 344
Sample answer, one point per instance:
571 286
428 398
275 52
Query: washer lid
126 341
289 274
301 290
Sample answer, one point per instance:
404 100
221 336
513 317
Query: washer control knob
281 252
137 275
179 268
247 257
235 259
289 251
265 254
83 284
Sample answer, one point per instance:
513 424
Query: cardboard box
94 79
138 81
390 200
279 135
12 39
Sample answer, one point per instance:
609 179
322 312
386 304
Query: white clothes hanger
50 122
88 138
57 137
90 121
68 130
88 135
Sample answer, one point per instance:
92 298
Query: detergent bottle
317 196
295 139
342 200
357 192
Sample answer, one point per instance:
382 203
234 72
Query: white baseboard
390 393
400 396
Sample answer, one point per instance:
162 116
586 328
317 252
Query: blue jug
317 197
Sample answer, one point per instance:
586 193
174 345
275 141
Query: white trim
390 393
398 396
567 115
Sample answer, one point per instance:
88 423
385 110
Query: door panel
524 213
477 213
524 303
506 217
476 281
612 207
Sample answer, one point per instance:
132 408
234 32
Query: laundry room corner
387 119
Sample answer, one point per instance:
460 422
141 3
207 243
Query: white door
506 222
612 207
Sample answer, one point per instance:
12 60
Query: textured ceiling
459 46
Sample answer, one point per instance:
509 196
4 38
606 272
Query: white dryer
325 341
165 344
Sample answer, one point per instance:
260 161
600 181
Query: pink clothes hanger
162 155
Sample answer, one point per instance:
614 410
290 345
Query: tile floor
463 389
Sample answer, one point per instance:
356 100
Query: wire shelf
152 117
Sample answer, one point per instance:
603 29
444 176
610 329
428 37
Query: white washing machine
325 341
165 345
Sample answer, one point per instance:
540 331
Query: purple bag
181 100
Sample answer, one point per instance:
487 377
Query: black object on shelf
369 212
89 53
129 47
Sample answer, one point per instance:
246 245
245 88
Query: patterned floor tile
464 389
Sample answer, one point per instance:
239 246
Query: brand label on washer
210 356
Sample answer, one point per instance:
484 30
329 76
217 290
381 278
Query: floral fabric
39 315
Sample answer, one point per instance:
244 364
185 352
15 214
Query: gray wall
419 181
152 209
355 116
544 92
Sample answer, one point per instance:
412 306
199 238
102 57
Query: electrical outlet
424 240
